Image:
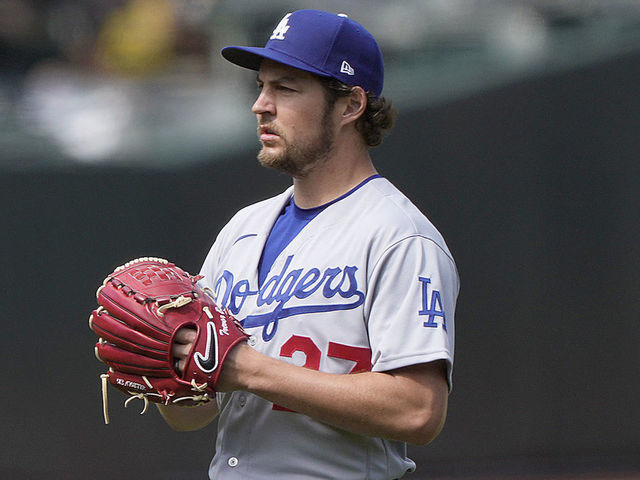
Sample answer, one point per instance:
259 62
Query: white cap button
233 462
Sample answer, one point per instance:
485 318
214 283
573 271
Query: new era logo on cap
321 43
346 68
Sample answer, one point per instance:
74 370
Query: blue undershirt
289 224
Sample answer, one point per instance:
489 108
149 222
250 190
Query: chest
309 309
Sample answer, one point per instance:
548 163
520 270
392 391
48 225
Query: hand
182 345
231 369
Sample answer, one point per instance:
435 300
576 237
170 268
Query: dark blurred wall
536 188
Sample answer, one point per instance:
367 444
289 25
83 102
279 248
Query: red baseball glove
143 303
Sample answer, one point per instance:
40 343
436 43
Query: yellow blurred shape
138 38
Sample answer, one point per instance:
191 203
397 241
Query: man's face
295 125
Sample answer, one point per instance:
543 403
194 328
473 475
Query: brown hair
378 117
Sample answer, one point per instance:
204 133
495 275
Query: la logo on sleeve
431 305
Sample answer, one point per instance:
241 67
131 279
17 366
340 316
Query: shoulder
397 218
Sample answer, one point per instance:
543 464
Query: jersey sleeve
410 306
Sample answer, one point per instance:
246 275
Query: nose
263 104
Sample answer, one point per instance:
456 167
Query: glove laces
200 397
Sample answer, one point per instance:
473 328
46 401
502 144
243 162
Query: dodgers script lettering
281 290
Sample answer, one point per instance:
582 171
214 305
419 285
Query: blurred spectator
137 38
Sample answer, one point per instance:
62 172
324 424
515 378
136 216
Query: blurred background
123 133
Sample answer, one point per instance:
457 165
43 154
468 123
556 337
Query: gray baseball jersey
368 284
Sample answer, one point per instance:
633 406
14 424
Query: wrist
239 368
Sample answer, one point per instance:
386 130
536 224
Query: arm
408 404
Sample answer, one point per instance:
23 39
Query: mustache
268 128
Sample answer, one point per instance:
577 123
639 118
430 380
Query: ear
353 105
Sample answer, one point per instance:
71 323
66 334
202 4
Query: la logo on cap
281 29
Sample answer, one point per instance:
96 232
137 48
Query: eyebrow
282 79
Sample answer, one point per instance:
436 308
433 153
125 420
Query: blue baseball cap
322 43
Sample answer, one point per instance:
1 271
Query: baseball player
347 291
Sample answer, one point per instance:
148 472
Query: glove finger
138 316
128 362
115 331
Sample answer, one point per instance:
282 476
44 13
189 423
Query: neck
335 177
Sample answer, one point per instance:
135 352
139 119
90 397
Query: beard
297 160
